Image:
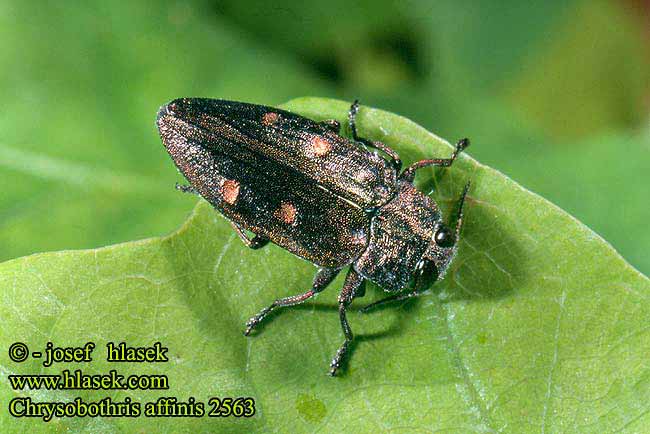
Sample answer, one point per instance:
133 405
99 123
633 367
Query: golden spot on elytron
320 146
230 191
287 213
270 118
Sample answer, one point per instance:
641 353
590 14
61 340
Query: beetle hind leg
186 189
256 242
323 278
353 284
352 123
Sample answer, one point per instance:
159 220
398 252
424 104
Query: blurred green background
554 94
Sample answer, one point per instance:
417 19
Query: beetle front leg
353 283
352 122
323 278
391 298
256 242
409 173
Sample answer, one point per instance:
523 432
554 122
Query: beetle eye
444 237
427 274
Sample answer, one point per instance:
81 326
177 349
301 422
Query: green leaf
539 326
590 179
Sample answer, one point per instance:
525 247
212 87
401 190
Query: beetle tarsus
336 362
186 188
352 115
251 323
323 278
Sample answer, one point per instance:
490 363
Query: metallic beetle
325 198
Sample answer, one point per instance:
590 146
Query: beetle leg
186 188
361 291
409 173
352 115
323 278
255 243
390 298
459 213
353 282
332 125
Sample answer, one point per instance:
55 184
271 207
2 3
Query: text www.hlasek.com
77 380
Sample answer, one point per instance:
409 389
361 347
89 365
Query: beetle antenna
461 202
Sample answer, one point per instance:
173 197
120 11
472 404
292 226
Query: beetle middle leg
332 125
354 283
409 173
256 242
323 278
352 122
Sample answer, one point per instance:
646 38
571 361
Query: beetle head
441 250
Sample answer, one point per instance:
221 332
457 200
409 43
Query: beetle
301 185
